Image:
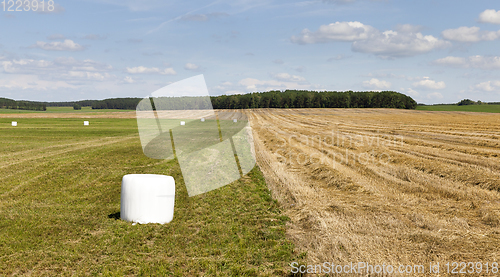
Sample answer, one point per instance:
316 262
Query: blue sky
435 51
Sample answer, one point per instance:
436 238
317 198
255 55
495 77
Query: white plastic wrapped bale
14 123
85 123
147 198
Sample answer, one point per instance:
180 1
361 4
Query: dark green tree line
22 105
315 99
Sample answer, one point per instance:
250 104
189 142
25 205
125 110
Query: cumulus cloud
96 76
451 61
25 66
429 84
288 77
376 84
57 66
191 66
488 86
490 16
83 65
470 34
478 61
63 72
338 31
405 41
128 80
394 44
412 92
150 70
66 45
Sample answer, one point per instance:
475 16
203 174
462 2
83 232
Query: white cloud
278 61
405 41
434 95
66 45
59 66
338 31
488 86
393 44
150 70
25 65
85 65
128 80
490 16
376 84
412 92
288 77
481 62
429 84
470 34
191 66
451 61
95 76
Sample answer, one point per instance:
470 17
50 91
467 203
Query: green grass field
60 204
468 108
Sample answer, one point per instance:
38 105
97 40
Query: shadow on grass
115 216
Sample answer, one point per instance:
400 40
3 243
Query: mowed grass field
60 204
385 186
486 108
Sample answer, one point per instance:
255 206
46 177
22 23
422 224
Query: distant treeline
463 102
314 99
176 103
270 99
22 105
117 103
83 103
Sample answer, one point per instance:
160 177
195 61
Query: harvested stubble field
383 185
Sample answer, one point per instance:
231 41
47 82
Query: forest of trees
314 99
83 103
117 103
22 105
270 99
